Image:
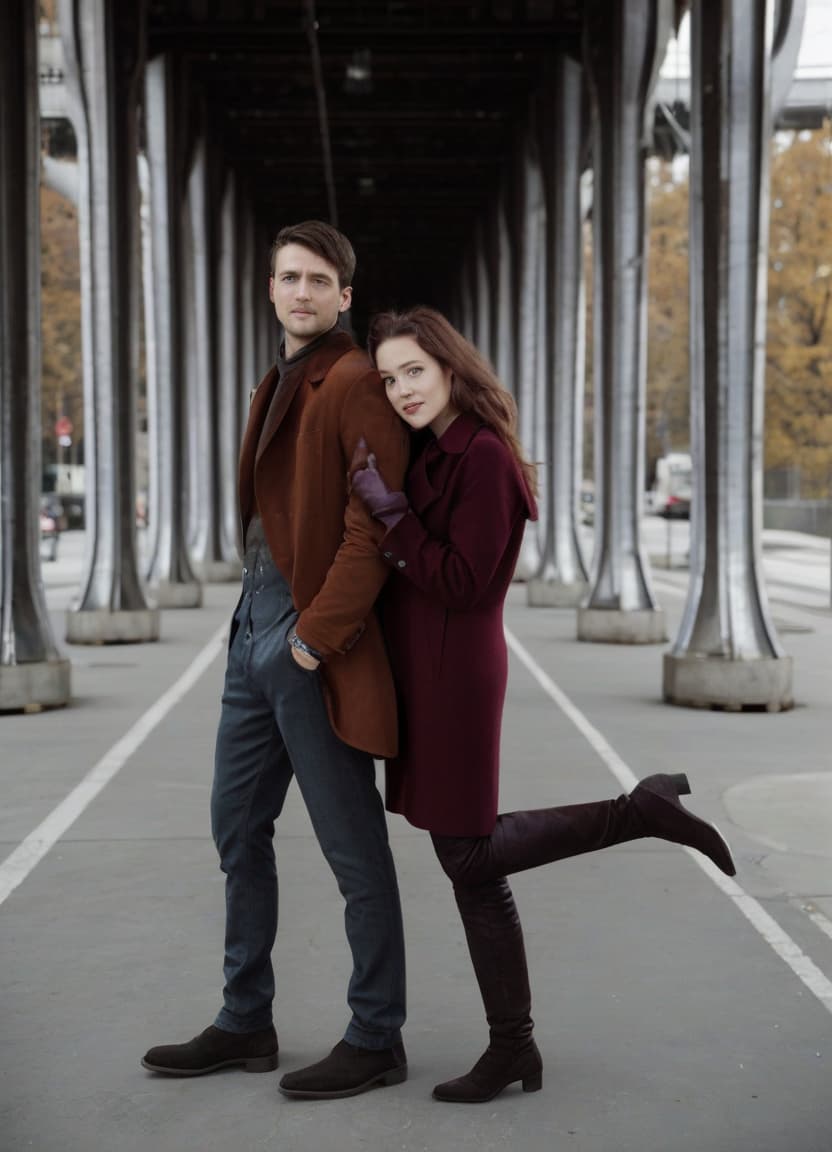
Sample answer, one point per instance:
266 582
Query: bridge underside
416 104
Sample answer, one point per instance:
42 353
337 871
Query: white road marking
786 948
17 866
818 919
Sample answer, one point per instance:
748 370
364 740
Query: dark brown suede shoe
347 1071
213 1049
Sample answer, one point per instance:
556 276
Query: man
308 690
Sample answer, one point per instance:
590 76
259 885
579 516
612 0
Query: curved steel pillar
229 388
467 300
265 320
499 260
248 358
789 18
622 44
529 228
561 578
727 653
482 292
32 673
210 561
169 572
103 58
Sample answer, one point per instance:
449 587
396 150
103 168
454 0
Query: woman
452 539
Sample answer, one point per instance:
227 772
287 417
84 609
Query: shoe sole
250 1064
384 1080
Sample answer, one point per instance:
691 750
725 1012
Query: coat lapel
314 370
438 460
256 414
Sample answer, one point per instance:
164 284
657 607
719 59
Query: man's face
306 296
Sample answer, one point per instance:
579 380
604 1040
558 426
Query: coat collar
315 366
265 417
459 434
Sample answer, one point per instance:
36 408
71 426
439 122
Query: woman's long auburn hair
474 384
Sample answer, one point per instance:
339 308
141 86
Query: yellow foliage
798 414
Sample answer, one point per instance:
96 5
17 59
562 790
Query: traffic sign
63 426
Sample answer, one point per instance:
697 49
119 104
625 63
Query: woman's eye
414 371
388 381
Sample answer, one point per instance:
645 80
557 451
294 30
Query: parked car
672 489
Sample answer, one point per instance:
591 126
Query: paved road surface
676 1012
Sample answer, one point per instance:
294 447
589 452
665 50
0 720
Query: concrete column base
555 594
168 595
33 687
695 681
617 626
219 571
101 626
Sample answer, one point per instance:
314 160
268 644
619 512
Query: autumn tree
799 337
798 385
62 384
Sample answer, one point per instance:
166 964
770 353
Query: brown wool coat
295 471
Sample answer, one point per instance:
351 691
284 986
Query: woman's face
418 387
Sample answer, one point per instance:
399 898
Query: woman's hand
369 485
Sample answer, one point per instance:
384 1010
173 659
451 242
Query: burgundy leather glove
386 506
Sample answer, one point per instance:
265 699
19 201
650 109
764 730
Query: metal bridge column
499 261
249 376
32 674
483 321
169 570
467 300
205 537
727 653
103 48
622 48
561 579
229 382
528 231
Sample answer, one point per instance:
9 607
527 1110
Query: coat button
401 564
388 555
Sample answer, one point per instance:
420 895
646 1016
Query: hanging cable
311 23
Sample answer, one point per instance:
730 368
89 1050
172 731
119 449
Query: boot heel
533 1083
261 1063
394 1076
680 783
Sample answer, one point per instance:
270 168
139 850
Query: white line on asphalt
818 919
16 867
786 948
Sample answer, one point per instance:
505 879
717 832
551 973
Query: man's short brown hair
324 241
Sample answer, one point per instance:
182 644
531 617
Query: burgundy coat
454 555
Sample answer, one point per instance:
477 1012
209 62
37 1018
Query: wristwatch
301 645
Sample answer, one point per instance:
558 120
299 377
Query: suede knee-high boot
495 942
523 840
